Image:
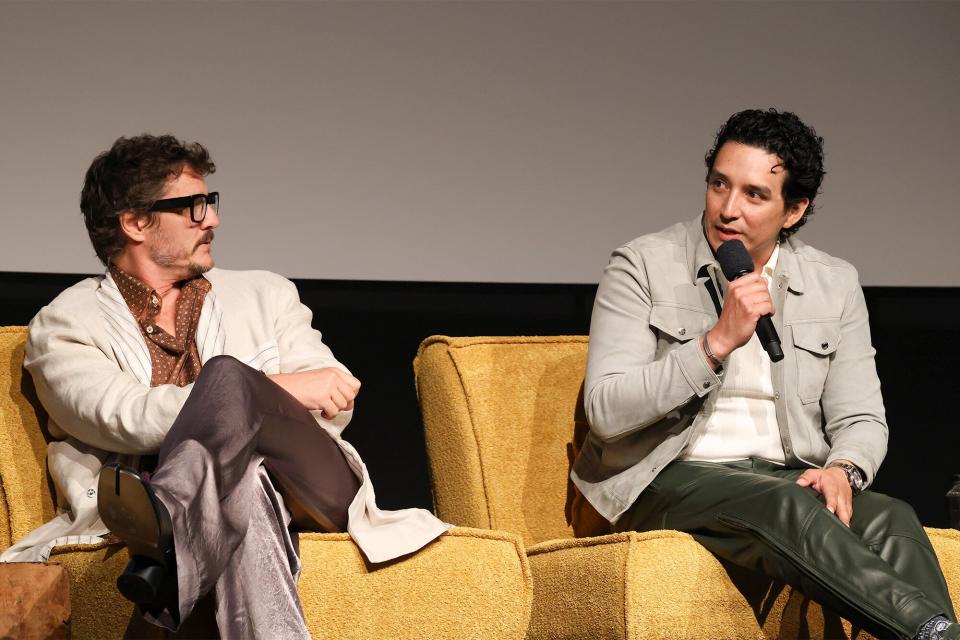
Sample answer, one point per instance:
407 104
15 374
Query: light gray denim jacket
648 387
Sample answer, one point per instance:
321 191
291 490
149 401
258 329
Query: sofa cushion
468 583
664 585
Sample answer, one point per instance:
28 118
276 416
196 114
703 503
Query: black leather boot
129 507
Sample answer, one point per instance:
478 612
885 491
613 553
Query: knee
900 512
883 515
223 371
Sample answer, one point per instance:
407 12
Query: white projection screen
480 141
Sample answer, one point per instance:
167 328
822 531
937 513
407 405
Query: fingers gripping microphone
735 261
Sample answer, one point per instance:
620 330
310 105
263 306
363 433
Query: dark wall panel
376 327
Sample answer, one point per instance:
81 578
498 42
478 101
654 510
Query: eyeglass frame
182 202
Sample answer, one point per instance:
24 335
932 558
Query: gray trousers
881 573
242 456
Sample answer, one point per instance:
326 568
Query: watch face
856 481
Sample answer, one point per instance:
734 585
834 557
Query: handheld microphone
735 261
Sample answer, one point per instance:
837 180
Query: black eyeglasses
197 203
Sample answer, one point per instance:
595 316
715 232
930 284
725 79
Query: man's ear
133 225
795 212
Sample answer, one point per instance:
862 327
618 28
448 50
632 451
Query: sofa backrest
26 501
498 415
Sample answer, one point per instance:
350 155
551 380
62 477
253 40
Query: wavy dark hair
797 145
130 176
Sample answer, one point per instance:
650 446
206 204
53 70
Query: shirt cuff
693 363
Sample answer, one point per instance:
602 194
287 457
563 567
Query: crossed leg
230 522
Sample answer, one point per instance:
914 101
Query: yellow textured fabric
23 449
99 611
946 542
458 490
498 414
469 583
653 585
663 585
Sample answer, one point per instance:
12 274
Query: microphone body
735 261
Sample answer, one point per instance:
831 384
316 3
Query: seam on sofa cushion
476 436
472 341
612 538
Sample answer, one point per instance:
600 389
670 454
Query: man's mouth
727 231
206 239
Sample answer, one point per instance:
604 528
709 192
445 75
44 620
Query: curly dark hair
130 176
796 144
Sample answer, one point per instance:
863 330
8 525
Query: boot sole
128 508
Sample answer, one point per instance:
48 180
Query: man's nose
730 208
211 220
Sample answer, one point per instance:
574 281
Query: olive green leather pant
880 573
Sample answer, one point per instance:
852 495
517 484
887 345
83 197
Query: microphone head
734 259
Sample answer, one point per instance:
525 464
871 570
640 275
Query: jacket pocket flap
678 322
820 338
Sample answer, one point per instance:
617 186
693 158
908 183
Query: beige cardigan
92 372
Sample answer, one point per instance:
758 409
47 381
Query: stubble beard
164 254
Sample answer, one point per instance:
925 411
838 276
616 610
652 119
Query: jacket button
91 493
706 385
824 345
776 396
683 331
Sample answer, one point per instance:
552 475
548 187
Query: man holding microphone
695 425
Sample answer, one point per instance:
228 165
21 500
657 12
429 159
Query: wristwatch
854 475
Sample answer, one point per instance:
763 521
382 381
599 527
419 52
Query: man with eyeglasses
195 413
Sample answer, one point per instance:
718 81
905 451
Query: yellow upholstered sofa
499 414
470 583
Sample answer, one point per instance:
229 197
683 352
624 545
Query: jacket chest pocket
676 325
814 345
